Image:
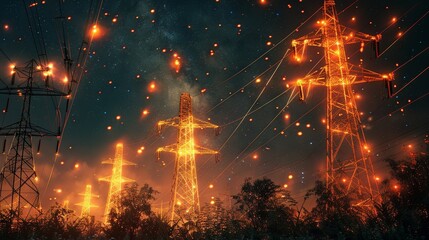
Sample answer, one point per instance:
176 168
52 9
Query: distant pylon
86 204
66 204
116 180
347 162
185 201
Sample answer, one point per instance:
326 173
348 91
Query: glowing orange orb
145 112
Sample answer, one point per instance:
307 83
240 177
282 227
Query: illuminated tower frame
347 154
86 204
185 199
116 180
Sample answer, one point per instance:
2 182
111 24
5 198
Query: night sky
228 50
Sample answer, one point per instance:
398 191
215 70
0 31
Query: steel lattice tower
185 199
347 161
86 204
116 179
18 181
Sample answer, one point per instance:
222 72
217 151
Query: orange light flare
287 116
263 2
297 58
152 87
367 148
176 62
145 112
12 68
48 71
255 156
211 186
290 177
96 31
76 166
140 150
6 27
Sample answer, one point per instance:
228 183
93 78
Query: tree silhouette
266 208
133 207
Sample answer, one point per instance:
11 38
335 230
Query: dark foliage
262 210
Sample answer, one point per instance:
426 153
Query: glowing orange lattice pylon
185 201
348 162
86 204
116 180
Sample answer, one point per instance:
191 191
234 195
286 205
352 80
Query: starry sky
228 51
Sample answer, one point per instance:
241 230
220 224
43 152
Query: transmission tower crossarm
313 39
127 180
36 91
203 124
109 179
172 122
203 150
354 36
315 78
299 45
105 179
169 148
363 75
123 162
108 161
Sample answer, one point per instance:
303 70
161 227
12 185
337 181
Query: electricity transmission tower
30 83
86 204
18 181
185 199
116 180
347 162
